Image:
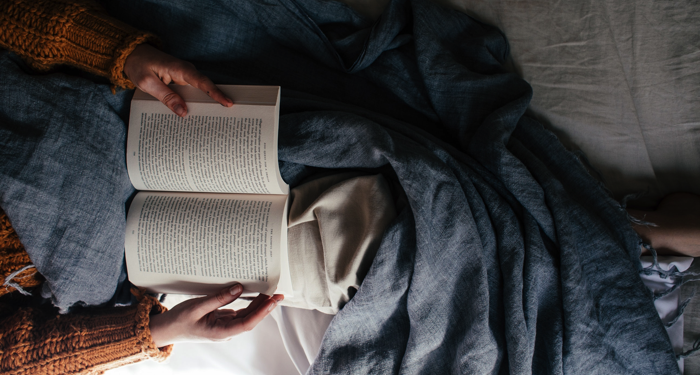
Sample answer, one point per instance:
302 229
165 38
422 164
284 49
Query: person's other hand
201 319
151 70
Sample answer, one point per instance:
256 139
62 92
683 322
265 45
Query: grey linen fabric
63 180
507 258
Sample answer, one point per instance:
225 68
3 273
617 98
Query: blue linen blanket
508 257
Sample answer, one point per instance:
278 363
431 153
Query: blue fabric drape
508 257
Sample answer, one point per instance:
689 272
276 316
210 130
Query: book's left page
197 243
213 149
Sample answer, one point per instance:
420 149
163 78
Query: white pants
336 223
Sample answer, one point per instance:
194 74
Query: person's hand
675 225
200 319
152 70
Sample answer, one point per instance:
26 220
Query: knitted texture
72 32
13 258
36 340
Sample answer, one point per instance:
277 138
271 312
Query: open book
214 209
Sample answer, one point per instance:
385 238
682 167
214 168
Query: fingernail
230 101
272 305
236 290
179 110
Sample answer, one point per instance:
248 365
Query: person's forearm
39 341
77 33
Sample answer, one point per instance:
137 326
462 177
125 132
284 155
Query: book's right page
213 149
198 243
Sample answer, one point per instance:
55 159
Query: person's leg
677 225
336 224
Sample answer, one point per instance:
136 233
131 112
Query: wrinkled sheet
618 79
507 258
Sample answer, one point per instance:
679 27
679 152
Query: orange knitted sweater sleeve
72 32
34 339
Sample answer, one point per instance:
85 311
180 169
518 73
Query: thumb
214 301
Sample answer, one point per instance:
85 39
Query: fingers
154 86
260 300
151 70
253 315
214 301
202 82
220 317
254 304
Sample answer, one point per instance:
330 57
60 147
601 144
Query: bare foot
677 230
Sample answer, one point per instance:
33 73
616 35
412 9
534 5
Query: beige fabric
335 226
